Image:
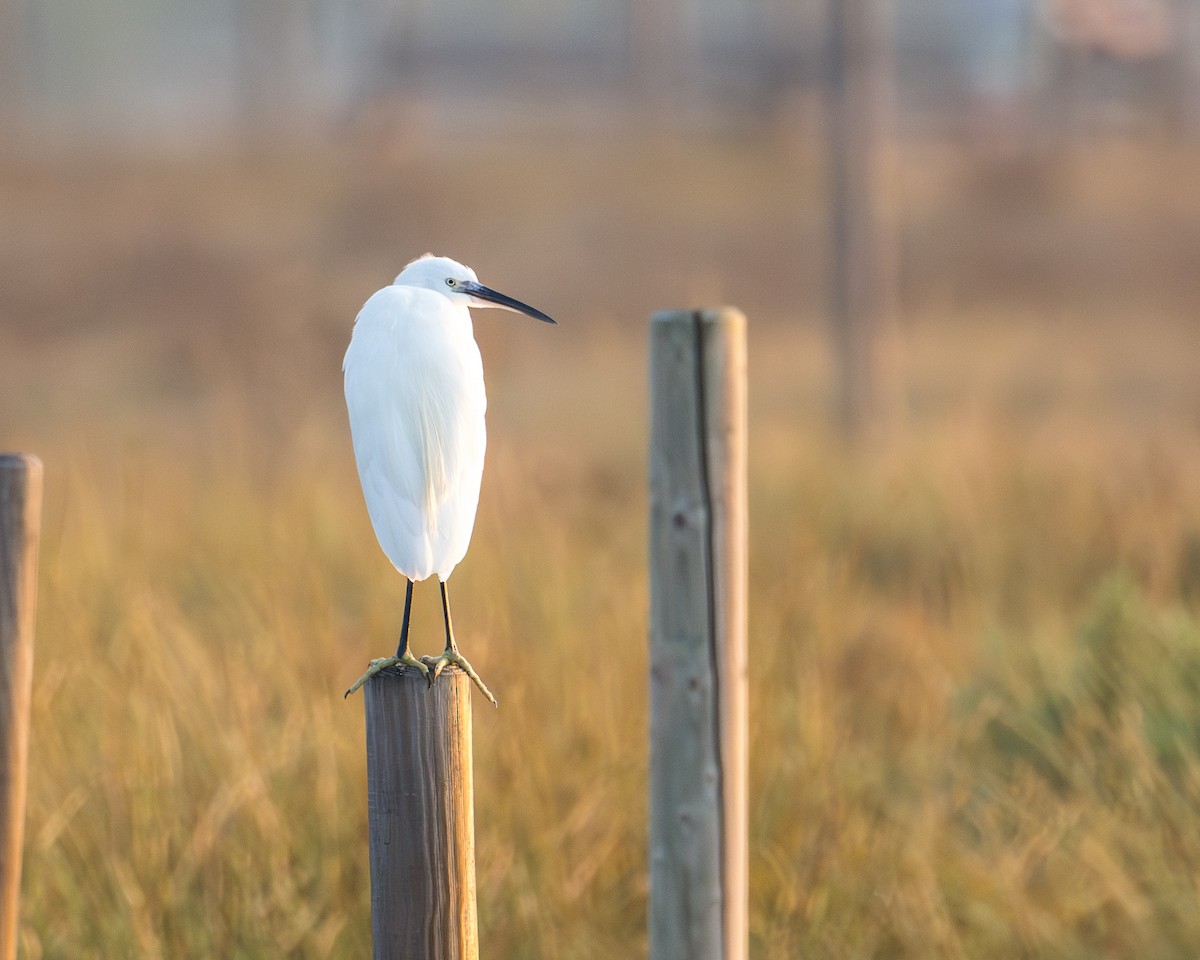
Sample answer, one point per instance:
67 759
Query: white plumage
415 394
416 399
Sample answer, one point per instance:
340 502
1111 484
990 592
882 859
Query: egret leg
451 655
403 654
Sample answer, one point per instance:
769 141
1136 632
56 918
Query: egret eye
451 282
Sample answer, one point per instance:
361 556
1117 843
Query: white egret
415 395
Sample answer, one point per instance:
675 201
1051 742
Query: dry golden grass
975 646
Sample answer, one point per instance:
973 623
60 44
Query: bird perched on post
415 395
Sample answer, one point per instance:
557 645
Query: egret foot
450 655
406 658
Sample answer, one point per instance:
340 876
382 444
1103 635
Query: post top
19 461
705 314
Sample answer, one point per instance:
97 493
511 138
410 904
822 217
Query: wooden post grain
20 520
421 807
698 755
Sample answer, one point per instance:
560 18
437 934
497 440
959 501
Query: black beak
480 292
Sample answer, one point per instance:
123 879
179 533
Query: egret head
459 283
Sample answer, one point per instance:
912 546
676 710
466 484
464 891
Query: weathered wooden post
20 523
421 808
859 101
698 756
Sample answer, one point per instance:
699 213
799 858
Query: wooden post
421 807
859 105
698 755
20 521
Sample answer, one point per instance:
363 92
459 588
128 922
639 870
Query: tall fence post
859 100
20 523
421 808
698 754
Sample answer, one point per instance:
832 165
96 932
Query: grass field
975 644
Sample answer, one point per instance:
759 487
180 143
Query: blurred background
967 238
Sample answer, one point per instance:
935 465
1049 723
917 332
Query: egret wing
415 399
